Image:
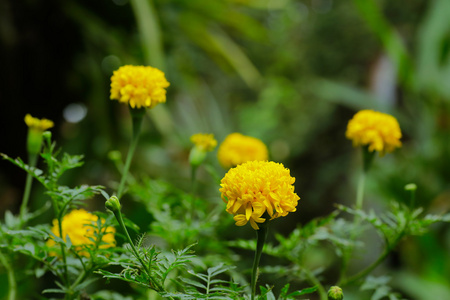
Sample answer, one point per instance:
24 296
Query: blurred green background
291 73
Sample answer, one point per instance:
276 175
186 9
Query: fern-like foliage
398 222
157 269
207 286
380 287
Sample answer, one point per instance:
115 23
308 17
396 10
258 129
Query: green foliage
279 70
159 266
398 222
380 288
205 286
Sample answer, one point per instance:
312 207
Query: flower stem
11 277
32 161
137 117
313 280
261 236
63 251
118 215
193 188
360 190
367 163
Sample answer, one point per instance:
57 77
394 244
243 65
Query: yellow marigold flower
81 227
380 132
237 149
139 86
256 187
38 124
204 141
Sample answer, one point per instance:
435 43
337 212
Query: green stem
367 162
367 270
32 161
12 292
380 259
313 279
261 236
137 117
63 251
360 191
119 218
193 189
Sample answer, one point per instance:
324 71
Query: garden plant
231 221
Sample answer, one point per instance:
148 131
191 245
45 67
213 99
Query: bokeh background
291 73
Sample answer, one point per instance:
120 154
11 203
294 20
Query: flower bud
197 156
411 187
47 135
113 204
335 293
36 128
34 141
114 155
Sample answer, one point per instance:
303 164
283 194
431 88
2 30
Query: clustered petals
38 124
379 131
238 148
139 86
257 190
81 227
204 141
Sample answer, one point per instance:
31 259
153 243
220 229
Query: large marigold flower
139 86
204 141
38 124
237 149
257 187
81 227
380 132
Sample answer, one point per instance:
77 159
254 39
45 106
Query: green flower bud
36 128
197 156
34 141
411 187
113 204
335 293
47 135
115 155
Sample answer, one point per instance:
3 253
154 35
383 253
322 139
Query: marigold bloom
237 149
380 132
204 141
38 124
81 227
256 187
139 86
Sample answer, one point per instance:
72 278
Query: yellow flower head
37 124
204 141
237 149
80 226
256 187
139 86
379 131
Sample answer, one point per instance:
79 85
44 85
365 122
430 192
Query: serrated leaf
56 291
193 283
303 292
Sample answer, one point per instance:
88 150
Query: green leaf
304 291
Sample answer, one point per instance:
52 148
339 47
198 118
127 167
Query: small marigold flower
139 86
38 124
257 187
237 149
81 227
379 131
204 141
36 128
